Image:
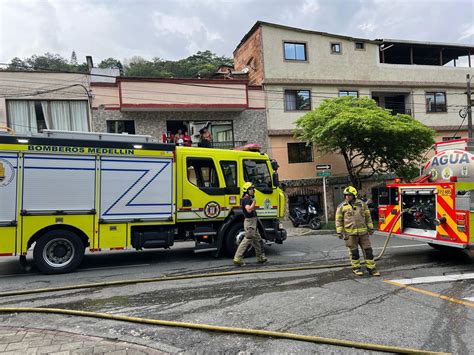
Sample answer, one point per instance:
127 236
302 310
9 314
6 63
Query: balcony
396 102
225 145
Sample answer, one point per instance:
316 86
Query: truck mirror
276 180
274 164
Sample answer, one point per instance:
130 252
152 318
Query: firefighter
354 225
252 236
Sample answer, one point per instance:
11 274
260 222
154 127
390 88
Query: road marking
470 299
432 294
433 279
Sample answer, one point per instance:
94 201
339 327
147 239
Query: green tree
111 63
371 140
73 60
201 64
48 61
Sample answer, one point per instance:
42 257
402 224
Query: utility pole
469 107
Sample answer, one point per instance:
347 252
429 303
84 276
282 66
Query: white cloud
468 32
310 6
367 27
185 26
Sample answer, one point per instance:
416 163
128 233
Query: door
203 190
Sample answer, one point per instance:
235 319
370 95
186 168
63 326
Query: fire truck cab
437 207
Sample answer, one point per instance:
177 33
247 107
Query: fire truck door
202 190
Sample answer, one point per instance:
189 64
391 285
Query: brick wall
250 55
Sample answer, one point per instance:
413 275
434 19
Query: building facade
232 110
298 69
33 101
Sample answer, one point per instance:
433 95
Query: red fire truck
438 206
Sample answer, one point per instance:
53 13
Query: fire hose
207 327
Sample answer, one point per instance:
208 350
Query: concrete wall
278 150
352 65
279 119
192 94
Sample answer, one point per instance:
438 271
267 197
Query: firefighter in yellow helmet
252 237
354 225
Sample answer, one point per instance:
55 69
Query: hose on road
207 327
223 329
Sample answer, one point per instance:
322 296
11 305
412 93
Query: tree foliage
371 140
201 64
48 61
110 63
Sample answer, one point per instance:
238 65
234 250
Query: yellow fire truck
65 192
437 207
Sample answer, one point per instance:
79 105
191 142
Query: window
445 139
297 100
202 172
126 126
436 102
360 46
353 93
294 51
229 170
336 48
33 116
256 171
300 153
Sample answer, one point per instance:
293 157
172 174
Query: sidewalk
301 231
20 340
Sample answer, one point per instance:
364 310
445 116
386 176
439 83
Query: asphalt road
328 303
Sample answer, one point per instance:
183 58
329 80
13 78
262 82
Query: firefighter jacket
353 219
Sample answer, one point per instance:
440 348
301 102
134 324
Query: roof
419 43
356 39
263 23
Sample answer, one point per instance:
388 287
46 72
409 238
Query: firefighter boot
262 259
373 272
238 261
358 271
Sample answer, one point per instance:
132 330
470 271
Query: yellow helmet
350 190
247 186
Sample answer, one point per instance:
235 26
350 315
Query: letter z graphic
124 204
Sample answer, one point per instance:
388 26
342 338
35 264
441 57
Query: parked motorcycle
308 214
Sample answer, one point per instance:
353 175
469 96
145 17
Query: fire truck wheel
58 251
233 238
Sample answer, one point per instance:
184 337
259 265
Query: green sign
323 173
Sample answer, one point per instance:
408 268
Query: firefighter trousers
353 245
252 237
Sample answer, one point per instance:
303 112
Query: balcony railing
225 145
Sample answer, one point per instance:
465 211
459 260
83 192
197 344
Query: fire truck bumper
274 231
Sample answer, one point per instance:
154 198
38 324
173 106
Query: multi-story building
298 69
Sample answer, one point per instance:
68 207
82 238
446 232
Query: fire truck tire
233 238
58 251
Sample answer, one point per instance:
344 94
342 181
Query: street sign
323 173
323 167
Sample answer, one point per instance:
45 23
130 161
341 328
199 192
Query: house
299 68
103 101
230 109
31 101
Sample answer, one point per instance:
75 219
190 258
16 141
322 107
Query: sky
179 28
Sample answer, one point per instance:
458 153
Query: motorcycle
306 215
